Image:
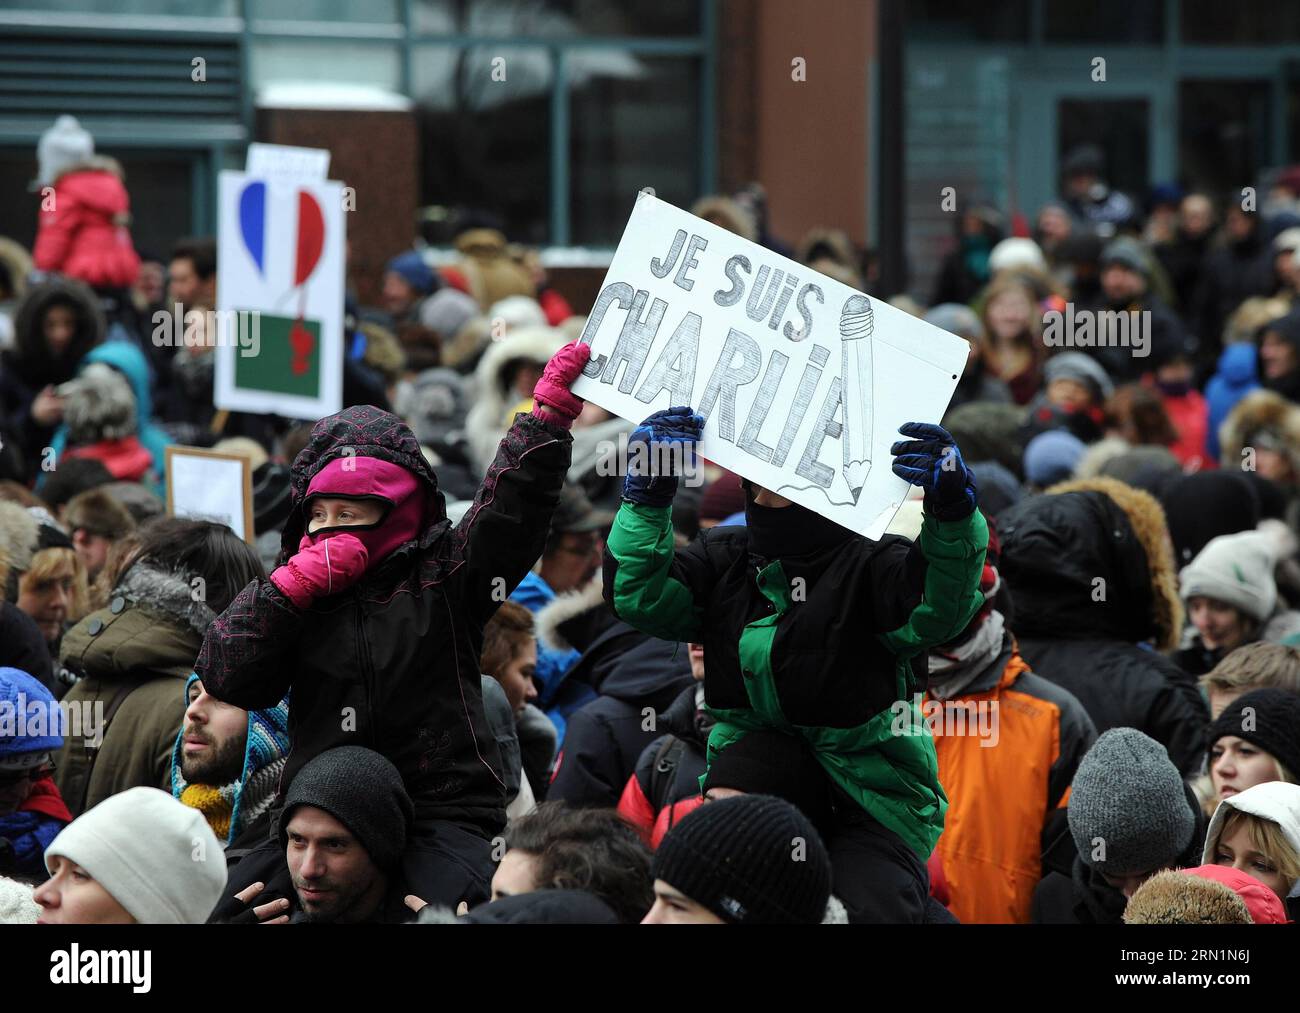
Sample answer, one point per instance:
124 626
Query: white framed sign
802 381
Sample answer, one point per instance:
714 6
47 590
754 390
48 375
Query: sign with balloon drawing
280 273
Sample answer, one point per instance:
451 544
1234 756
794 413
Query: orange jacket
1008 747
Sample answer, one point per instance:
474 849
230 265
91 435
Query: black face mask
782 532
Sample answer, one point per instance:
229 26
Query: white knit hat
158 858
1235 569
61 147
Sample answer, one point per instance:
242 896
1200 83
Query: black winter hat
363 791
1272 724
750 859
1207 504
773 763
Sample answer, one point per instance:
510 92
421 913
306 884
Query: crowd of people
463 673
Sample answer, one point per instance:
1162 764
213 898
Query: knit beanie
414 271
1128 812
956 318
750 859
1051 457
1179 898
447 311
1126 252
364 792
1203 505
777 764
1236 570
61 147
154 856
29 721
1268 718
1081 368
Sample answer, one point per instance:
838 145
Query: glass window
336 63
1113 22
557 18
485 133
1223 132
1215 23
168 8
634 123
371 12
963 21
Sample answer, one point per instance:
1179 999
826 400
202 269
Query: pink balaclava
370 478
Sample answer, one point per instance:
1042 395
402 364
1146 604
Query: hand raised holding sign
667 437
933 462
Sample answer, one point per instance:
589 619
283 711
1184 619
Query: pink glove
552 390
328 567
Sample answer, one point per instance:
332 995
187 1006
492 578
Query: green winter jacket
819 645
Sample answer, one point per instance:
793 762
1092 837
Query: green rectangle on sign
288 359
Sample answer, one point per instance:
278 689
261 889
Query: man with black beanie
343 828
749 859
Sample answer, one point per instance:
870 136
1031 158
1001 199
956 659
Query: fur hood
549 618
1090 559
168 592
486 422
1261 413
100 406
1147 518
1177 898
19 536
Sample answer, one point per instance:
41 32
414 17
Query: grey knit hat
364 792
1082 368
1237 570
956 318
1128 810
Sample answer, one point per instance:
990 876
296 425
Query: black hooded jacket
605 737
30 366
1085 604
392 663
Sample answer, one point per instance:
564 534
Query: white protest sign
267 160
280 285
210 486
802 381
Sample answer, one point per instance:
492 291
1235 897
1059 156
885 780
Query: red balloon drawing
311 236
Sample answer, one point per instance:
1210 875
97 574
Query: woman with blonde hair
1254 741
1014 327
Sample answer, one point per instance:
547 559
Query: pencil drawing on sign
857 322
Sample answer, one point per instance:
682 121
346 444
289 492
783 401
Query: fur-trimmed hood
1090 559
171 593
549 618
486 422
1261 416
19 536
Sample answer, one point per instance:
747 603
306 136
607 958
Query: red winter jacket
83 234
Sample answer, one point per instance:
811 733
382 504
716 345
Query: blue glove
932 461
664 440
